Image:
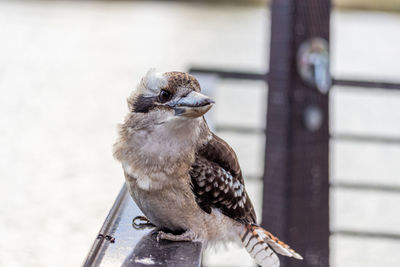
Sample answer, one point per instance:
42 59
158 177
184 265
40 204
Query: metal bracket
313 63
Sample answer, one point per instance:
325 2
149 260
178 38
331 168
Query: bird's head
167 97
165 122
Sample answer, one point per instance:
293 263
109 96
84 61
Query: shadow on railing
148 252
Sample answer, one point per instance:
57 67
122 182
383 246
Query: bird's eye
164 96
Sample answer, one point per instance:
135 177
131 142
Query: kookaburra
182 176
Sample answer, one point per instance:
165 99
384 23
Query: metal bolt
313 63
313 118
110 238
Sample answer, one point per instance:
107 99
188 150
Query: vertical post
296 174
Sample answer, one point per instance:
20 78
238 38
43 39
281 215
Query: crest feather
154 80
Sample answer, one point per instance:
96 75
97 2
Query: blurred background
66 68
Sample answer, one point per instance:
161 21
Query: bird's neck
166 149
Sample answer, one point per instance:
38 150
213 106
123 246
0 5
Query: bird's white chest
170 140
142 180
160 154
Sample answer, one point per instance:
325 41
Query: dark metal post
296 175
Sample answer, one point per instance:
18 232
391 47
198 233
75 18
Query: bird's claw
145 223
159 236
186 236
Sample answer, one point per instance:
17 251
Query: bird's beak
193 105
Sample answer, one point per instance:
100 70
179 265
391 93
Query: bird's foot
141 222
186 236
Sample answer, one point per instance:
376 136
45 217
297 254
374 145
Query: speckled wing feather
217 182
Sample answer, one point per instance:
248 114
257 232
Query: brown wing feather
217 182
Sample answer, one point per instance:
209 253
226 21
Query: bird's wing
217 182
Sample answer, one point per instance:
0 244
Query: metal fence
296 174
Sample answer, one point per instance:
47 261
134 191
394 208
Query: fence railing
119 243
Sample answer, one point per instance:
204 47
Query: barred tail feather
262 246
278 245
258 249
